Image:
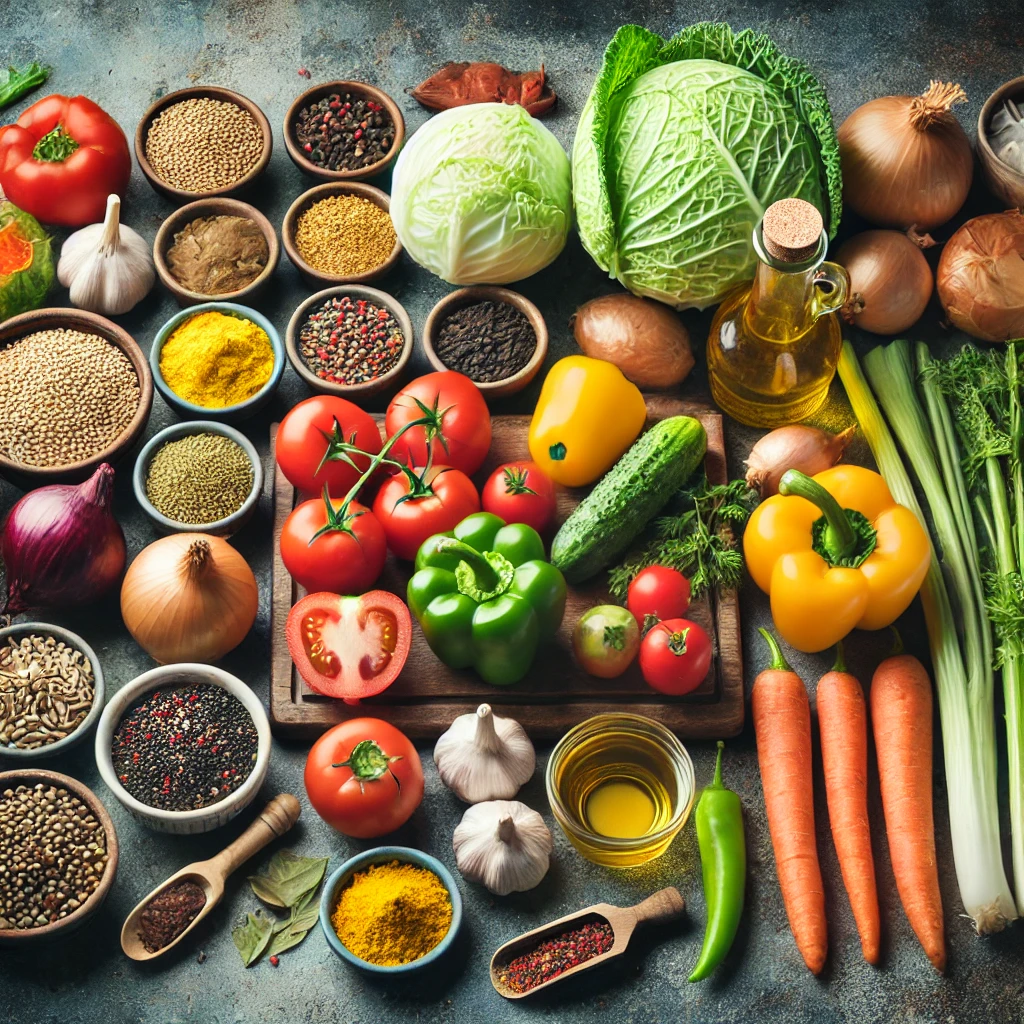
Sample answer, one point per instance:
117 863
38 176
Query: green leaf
288 878
296 926
252 938
14 83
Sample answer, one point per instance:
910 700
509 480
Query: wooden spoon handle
274 820
664 905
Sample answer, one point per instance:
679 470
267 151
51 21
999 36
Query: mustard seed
345 235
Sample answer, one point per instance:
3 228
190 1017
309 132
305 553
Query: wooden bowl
1002 179
320 278
47 932
349 391
90 323
212 92
488 293
318 92
216 207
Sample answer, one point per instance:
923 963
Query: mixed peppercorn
345 133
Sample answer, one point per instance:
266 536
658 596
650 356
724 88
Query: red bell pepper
61 160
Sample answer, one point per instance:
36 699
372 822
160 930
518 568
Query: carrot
901 710
782 724
843 723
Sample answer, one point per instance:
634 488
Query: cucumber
628 497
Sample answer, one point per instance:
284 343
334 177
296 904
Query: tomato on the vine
519 492
659 592
675 656
605 641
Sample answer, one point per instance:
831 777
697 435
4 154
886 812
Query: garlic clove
504 845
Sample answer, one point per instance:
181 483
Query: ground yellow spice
392 913
215 360
345 235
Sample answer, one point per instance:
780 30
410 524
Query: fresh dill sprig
1005 606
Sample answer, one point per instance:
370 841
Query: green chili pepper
723 858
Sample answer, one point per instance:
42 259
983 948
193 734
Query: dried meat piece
456 85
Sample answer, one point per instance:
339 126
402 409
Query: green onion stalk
963 672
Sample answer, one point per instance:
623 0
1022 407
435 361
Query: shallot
807 449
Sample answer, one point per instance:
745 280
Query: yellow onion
189 597
980 279
906 161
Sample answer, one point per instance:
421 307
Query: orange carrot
901 711
782 724
843 723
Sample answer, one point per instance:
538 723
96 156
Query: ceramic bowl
202 819
22 629
384 855
31 936
89 323
225 527
212 92
1003 180
320 278
486 293
353 392
316 93
229 413
216 207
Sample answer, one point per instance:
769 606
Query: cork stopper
791 230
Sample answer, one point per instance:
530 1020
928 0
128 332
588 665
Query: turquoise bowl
229 413
384 855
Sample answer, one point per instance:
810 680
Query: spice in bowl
350 341
218 255
53 852
345 235
65 395
202 144
556 955
488 341
186 748
215 360
169 913
392 914
46 691
345 132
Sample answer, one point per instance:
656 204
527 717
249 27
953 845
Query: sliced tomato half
349 647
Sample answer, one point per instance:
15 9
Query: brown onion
905 159
794 447
980 279
890 280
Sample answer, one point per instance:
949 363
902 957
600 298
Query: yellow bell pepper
835 552
587 415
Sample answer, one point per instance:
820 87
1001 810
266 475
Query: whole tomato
304 436
605 641
658 592
465 421
675 656
519 492
326 551
364 778
408 521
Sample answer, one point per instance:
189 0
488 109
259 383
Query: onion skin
189 597
890 281
980 279
61 545
794 447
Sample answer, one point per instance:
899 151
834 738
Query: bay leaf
253 937
288 878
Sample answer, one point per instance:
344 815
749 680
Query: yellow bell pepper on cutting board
587 415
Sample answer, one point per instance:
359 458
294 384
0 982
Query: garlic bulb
484 757
504 845
107 267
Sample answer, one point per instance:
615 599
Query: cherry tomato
343 560
659 592
301 444
408 523
364 778
465 421
519 492
605 641
675 656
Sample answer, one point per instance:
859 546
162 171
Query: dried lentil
64 396
169 913
488 341
202 144
181 749
345 235
556 955
46 691
350 341
53 853
199 479
345 132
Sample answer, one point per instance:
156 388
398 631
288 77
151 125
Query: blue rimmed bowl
229 413
385 855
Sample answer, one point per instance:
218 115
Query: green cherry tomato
606 640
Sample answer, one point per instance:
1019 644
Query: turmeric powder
392 913
216 360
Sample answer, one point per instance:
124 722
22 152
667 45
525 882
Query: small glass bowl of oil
621 787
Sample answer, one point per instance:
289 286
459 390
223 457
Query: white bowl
201 819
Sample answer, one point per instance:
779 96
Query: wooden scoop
274 820
664 905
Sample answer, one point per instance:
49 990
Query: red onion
61 544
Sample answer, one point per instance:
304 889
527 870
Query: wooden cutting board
556 694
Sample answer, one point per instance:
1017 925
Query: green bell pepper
485 597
